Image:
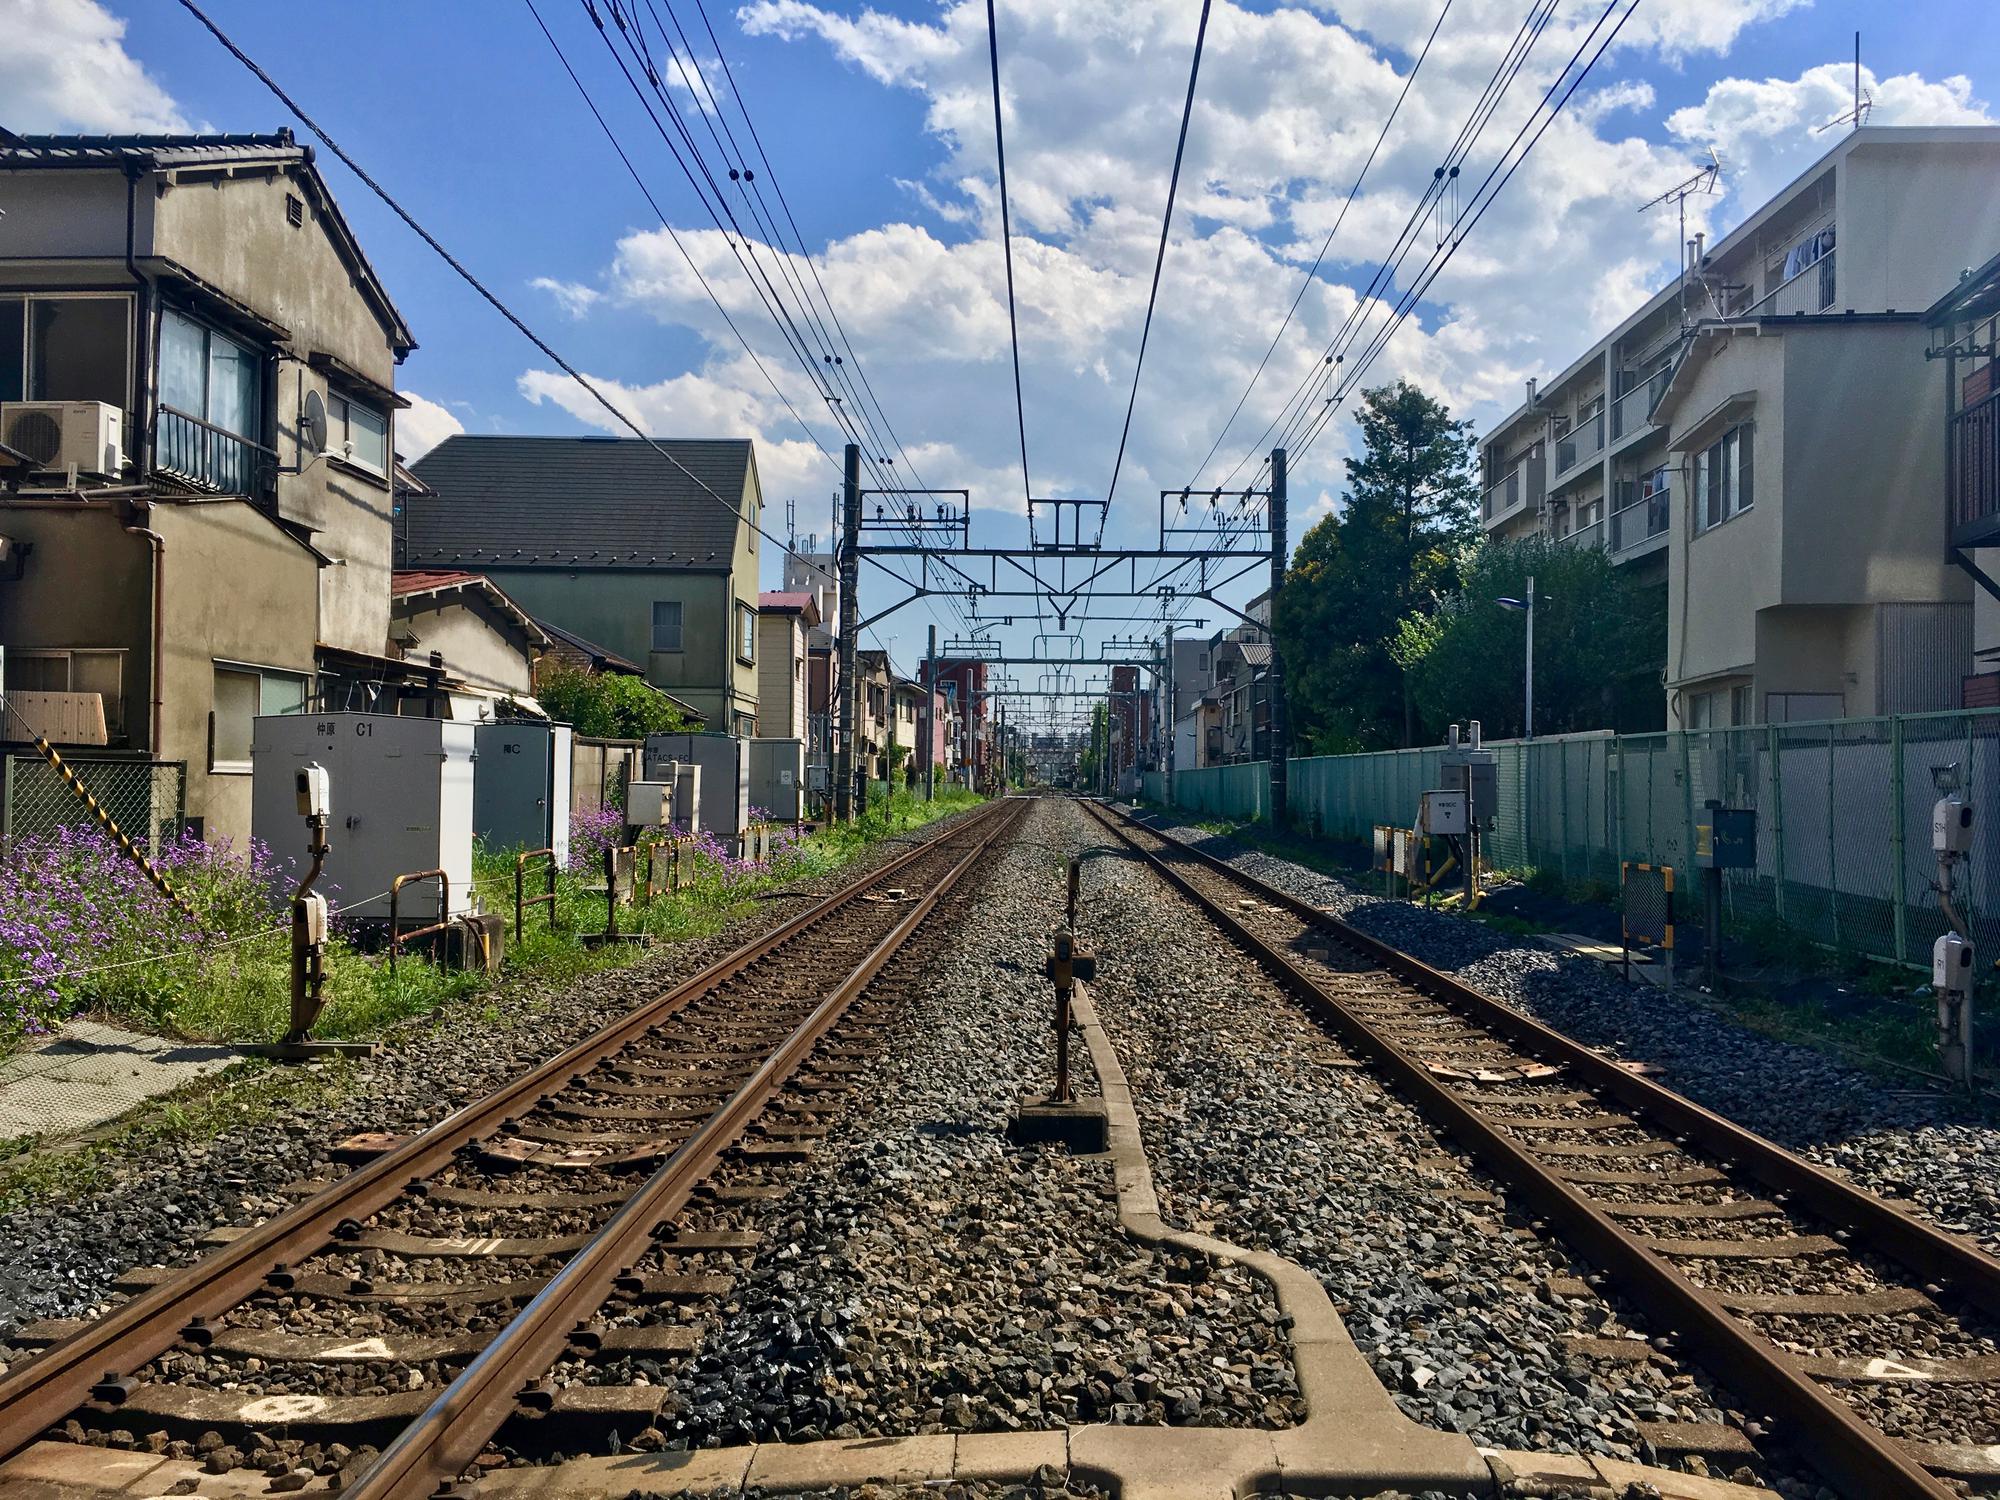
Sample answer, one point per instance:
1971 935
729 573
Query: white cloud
64 67
573 297
423 426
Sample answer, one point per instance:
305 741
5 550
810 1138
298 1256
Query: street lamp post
1527 607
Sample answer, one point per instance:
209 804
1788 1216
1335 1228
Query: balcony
1586 536
1582 445
1973 478
1632 413
1811 291
209 457
1641 521
1503 499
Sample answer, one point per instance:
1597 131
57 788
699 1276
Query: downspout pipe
158 545
142 328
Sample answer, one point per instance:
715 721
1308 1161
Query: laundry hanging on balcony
1808 251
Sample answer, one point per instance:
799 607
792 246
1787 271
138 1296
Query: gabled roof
789 602
599 658
580 502
412 586
168 153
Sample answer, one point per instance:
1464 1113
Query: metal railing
1811 291
1634 410
1580 445
1642 520
200 453
1974 452
1587 536
522 900
397 937
1502 497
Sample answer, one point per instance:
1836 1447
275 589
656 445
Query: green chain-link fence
147 798
1843 814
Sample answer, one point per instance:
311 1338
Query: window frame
114 704
210 333
340 408
27 299
1724 479
680 626
262 674
746 634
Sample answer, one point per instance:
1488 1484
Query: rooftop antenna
1702 184
1863 103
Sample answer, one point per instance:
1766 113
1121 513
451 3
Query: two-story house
653 557
198 362
1750 437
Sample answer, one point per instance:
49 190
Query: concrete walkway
91 1073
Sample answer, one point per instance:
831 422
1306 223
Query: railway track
1831 1313
513 1280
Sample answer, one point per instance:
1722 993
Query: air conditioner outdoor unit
56 434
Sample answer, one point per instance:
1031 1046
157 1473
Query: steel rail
438 1445
1826 1432
39 1393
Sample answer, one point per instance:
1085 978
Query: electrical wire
1007 246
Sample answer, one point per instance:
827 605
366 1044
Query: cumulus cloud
64 67
573 297
423 426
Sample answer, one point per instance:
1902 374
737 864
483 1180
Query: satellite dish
312 424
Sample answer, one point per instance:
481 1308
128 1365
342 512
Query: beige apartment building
1763 434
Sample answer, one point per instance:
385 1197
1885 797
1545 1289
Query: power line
1007 246
1159 260
465 275
1313 270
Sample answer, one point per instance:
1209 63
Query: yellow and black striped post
109 824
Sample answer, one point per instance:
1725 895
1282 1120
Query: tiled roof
402 584
601 658
149 150
579 502
411 583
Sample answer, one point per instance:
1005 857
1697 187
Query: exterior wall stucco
86 585
474 648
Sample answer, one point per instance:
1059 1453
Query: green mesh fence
148 798
1843 814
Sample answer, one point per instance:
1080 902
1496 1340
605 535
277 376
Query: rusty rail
38 1393
522 900
438 1445
396 938
1856 1457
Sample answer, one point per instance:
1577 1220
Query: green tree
1392 549
607 705
1600 641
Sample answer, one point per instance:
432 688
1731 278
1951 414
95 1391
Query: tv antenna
1700 185
1863 102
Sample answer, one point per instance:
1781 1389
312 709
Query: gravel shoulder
1913 1145
59 1258
934 1277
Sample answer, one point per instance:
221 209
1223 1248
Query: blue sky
878 125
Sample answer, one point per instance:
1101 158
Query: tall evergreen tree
1392 549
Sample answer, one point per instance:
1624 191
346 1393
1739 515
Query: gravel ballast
936 1278
1907 1142
59 1258
1262 1127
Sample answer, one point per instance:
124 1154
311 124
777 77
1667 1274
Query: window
1722 478
241 694
211 389
99 672
359 434
1700 710
66 349
1739 704
666 624
746 632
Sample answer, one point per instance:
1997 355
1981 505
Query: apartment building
1964 326
197 371
1762 435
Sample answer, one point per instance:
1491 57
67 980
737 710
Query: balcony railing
1645 518
1974 451
1580 445
1811 291
1587 536
1633 411
214 458
1502 497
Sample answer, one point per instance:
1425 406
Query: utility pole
1004 768
1172 718
889 765
1274 679
930 715
850 620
